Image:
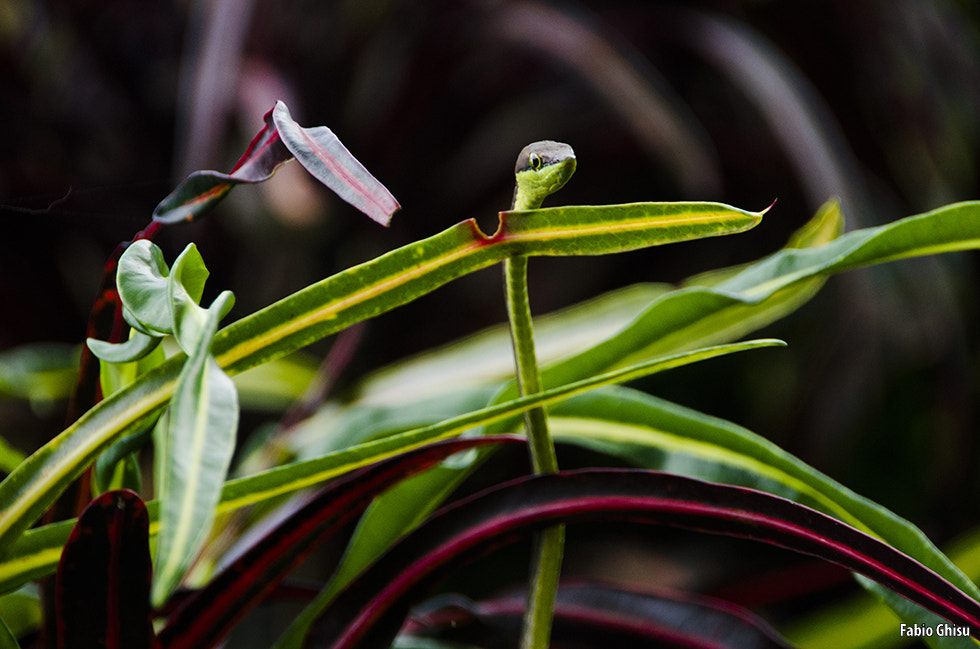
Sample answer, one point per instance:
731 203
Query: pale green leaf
200 442
141 278
138 346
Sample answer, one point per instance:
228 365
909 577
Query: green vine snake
542 168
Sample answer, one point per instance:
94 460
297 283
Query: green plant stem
543 458
548 544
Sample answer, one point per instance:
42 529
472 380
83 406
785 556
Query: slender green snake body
542 168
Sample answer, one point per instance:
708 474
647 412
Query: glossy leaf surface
370 611
731 305
333 304
282 139
103 586
35 554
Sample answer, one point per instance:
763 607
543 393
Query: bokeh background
105 106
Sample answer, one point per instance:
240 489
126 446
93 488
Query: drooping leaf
591 615
206 616
370 611
279 141
202 190
103 586
137 347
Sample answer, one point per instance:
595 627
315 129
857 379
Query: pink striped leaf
371 610
281 139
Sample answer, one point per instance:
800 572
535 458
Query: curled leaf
280 140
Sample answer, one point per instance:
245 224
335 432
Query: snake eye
534 161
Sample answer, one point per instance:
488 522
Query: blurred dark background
105 106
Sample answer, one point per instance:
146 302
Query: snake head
542 168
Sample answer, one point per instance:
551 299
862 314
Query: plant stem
548 544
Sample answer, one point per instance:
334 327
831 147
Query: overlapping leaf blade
370 611
696 315
326 307
206 616
35 553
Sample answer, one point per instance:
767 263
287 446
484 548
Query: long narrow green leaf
341 300
201 430
698 316
485 358
655 434
404 274
35 554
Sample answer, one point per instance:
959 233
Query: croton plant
381 476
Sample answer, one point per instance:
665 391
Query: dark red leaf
594 615
103 583
319 151
206 616
370 611
202 190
